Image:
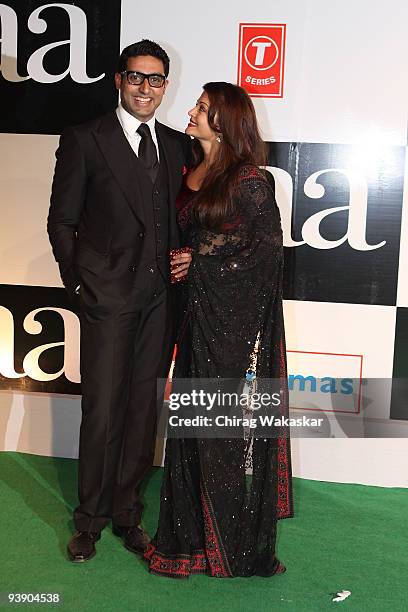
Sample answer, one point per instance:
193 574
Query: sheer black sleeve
253 236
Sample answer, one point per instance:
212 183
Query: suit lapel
122 162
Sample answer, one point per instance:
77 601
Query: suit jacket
96 221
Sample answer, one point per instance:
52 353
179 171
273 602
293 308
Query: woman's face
198 126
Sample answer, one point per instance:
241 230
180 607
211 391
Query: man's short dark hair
144 47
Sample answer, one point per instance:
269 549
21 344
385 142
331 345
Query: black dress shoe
135 539
81 547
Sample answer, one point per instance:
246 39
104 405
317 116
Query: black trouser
121 359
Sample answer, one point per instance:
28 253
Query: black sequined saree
215 518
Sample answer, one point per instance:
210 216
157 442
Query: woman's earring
218 138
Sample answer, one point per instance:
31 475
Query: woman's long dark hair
231 114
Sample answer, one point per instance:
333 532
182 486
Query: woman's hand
179 264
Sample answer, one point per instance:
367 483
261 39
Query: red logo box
261 59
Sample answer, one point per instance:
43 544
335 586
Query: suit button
132 268
156 192
157 225
141 235
151 270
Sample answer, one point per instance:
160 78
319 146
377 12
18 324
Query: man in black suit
112 224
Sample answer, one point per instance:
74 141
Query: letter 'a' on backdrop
341 224
57 63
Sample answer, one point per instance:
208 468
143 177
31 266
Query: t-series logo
261 59
57 59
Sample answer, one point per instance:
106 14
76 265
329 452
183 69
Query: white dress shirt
130 125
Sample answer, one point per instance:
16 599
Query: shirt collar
130 124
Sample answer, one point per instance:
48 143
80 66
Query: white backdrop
344 83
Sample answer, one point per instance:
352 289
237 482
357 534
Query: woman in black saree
213 518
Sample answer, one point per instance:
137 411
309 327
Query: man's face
142 100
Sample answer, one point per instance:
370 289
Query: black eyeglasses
137 78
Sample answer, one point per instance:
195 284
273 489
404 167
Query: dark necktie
147 151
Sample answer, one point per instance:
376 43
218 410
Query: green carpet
343 537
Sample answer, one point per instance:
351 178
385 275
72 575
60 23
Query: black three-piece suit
111 228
